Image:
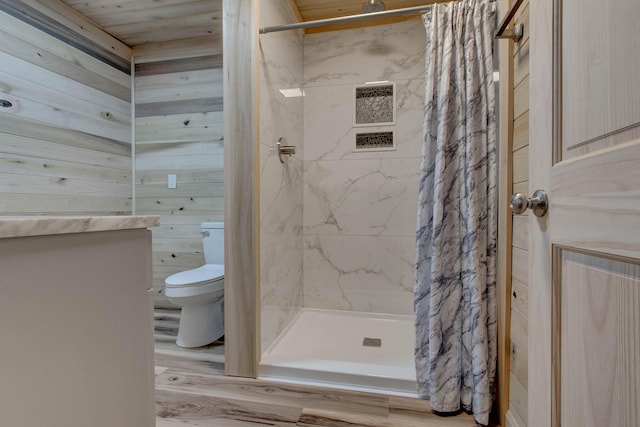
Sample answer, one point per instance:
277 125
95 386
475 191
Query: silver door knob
538 203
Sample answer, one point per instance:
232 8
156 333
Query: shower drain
372 342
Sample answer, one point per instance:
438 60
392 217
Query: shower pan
345 349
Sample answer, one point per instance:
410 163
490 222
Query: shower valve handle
538 203
284 149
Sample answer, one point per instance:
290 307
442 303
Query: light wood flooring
192 391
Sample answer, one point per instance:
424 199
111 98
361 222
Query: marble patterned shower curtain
455 283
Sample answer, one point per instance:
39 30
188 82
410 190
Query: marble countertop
48 225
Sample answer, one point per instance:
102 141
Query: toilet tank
213 242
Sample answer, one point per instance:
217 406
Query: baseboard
514 420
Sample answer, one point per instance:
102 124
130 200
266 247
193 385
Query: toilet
199 292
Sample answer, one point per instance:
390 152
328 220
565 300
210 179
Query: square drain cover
372 342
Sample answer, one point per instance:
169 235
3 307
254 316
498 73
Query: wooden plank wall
57 19
179 131
518 379
65 141
242 187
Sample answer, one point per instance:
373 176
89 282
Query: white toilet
200 292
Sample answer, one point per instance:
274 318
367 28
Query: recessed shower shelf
375 104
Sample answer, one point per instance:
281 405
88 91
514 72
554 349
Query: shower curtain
455 282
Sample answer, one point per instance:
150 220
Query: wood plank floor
192 391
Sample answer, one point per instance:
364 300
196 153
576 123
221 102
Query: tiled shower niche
374 141
375 105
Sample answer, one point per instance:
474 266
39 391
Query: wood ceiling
311 10
137 22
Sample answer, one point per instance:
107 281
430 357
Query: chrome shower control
283 149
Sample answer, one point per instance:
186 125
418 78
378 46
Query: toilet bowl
200 291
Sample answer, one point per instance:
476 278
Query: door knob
538 203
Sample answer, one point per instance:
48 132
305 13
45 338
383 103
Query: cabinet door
77 330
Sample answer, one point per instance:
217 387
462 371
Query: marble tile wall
281 65
359 208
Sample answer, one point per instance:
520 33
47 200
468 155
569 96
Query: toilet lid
206 273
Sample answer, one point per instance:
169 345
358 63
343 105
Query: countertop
43 226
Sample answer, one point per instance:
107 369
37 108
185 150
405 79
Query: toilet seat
209 274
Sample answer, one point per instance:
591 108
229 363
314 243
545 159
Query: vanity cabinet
76 322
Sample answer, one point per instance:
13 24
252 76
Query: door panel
599 346
600 59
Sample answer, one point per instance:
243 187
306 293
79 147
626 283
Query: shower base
344 349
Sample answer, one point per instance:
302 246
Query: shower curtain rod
350 18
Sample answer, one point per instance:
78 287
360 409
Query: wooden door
584 336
